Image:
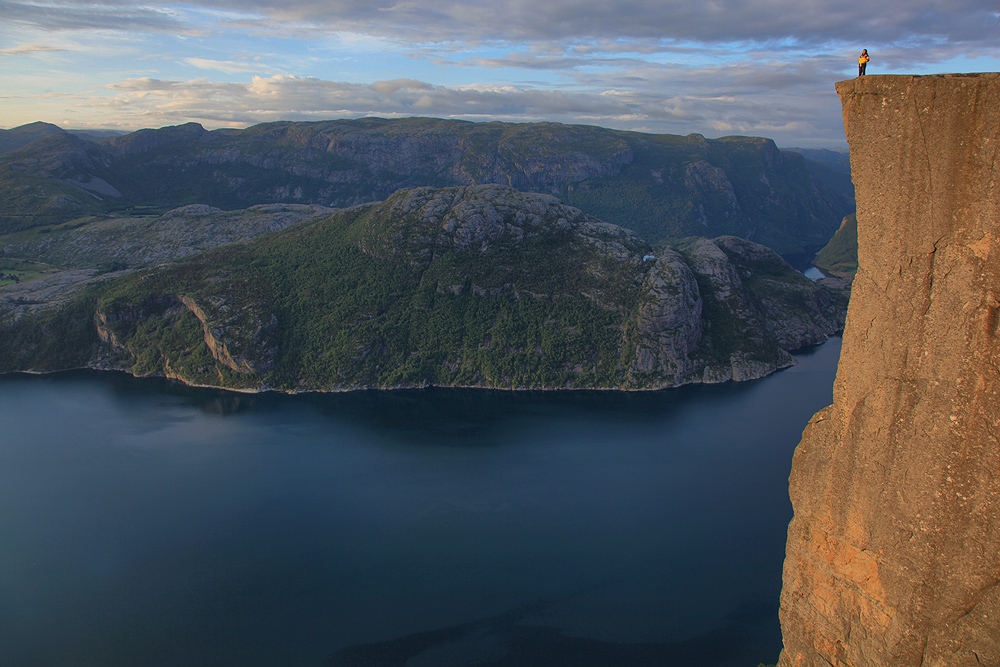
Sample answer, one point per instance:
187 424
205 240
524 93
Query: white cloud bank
762 67
920 22
153 102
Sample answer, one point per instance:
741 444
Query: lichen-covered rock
480 218
893 555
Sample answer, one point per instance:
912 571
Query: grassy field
14 271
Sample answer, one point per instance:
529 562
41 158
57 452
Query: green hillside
840 255
471 286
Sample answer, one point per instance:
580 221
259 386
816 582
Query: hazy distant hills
836 160
480 286
661 186
25 134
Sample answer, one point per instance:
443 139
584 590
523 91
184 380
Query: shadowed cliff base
893 556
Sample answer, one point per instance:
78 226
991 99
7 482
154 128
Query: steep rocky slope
480 286
893 555
661 186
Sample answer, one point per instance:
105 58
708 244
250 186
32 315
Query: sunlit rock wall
893 555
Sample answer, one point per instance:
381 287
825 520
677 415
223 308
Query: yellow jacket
863 59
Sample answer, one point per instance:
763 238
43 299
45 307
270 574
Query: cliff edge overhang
893 555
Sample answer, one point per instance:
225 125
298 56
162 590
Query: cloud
77 15
676 66
397 85
709 21
222 65
568 22
144 84
541 62
24 49
284 97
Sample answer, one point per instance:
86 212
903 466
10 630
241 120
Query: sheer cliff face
893 556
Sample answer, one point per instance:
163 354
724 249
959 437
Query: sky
715 67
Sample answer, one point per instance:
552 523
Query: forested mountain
664 187
480 286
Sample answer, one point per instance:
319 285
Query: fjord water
145 523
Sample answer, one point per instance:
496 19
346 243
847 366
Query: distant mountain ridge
23 135
661 186
835 159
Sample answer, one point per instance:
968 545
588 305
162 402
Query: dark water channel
143 523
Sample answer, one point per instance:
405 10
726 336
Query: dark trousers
861 68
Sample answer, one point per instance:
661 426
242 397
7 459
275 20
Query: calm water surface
814 274
143 523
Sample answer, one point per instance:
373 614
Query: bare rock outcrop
893 555
138 241
669 327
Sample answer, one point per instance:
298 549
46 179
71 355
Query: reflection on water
513 640
144 522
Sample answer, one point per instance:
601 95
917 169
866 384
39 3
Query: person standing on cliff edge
863 62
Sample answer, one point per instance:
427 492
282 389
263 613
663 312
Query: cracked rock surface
893 556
